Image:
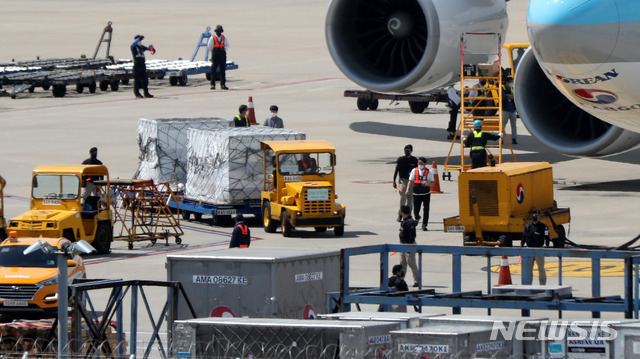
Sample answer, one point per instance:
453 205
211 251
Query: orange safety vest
244 229
304 163
218 44
416 180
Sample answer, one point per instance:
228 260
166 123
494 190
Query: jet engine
408 46
560 124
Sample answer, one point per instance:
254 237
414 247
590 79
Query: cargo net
162 145
226 166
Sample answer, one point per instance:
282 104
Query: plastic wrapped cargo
162 146
225 166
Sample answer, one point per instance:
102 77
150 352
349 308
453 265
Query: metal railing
628 303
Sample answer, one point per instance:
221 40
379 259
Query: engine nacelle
410 45
560 124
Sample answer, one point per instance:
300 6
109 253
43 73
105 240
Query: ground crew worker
397 283
218 45
408 236
454 106
536 235
307 164
404 165
241 236
140 80
241 120
477 140
273 120
422 179
89 188
509 110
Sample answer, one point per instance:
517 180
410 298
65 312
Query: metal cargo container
406 320
590 339
626 341
256 282
516 330
448 340
280 338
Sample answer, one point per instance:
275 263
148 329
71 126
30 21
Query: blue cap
477 123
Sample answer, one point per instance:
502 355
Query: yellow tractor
299 187
71 201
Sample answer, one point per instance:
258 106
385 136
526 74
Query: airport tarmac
280 49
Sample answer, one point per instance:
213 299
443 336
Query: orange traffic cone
251 114
505 273
435 187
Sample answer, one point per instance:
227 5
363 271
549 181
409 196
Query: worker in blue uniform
140 79
241 236
477 140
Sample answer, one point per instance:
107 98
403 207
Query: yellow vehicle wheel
267 222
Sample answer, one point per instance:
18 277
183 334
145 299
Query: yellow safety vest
477 135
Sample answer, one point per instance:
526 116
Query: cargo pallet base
220 213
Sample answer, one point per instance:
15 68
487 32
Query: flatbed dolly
417 102
220 213
58 80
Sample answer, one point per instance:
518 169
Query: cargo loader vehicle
70 201
497 202
299 187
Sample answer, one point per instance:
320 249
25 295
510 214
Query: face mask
421 167
273 115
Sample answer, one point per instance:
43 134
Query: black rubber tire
197 216
505 240
130 245
268 223
59 90
320 229
338 231
104 85
185 215
115 84
182 80
285 225
3 234
362 103
92 87
103 238
418 107
373 105
46 87
68 234
173 80
125 81
31 89
178 240
79 88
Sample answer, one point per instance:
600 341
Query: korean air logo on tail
601 97
520 193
